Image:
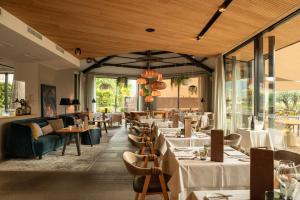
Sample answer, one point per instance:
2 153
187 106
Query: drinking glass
203 153
287 174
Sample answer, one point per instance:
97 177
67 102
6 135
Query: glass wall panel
116 98
6 81
239 87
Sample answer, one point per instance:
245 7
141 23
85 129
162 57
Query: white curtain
219 94
90 92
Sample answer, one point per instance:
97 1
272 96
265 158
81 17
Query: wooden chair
147 180
128 119
287 155
233 140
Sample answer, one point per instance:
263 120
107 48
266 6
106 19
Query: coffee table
73 130
100 121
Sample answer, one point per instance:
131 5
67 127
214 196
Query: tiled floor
107 179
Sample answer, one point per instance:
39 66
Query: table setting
191 169
173 137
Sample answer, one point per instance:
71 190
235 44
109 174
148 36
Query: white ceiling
14 48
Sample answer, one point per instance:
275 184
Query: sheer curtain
219 94
90 92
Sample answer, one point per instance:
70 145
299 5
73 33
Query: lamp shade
75 102
149 99
155 93
141 92
141 81
149 73
65 101
158 85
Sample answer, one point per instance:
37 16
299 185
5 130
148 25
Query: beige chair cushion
47 129
56 124
36 130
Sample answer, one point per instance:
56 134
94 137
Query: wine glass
286 174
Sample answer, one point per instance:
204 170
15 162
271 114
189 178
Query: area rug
54 161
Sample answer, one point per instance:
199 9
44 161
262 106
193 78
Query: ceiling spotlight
77 51
150 30
222 9
89 60
199 37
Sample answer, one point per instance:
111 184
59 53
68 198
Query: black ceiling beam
203 59
145 53
168 57
117 56
144 67
98 64
197 63
212 20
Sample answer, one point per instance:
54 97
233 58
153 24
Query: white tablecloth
254 138
151 120
189 175
166 138
236 194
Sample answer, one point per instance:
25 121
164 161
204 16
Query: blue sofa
19 141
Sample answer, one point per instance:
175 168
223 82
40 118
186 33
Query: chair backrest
233 139
130 161
287 155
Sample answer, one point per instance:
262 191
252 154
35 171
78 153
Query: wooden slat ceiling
110 27
285 35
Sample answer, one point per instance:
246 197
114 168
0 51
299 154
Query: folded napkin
201 135
169 134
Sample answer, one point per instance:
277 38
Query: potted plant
179 80
122 81
192 89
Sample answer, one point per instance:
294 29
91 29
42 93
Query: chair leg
146 185
163 186
136 196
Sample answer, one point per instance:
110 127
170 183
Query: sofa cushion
47 143
56 124
36 130
47 129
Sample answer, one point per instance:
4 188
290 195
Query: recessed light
199 37
77 51
150 30
222 9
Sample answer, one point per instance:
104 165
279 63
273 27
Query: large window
239 87
115 97
6 81
267 84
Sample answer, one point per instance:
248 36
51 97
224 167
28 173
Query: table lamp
65 102
75 102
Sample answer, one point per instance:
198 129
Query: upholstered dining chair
233 140
287 155
147 180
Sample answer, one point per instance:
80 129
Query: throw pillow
56 124
36 130
47 129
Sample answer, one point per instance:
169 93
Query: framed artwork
48 100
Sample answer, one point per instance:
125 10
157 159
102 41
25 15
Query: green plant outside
2 95
112 97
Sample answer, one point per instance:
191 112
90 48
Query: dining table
189 173
168 137
219 194
254 138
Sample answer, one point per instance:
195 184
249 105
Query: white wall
34 75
